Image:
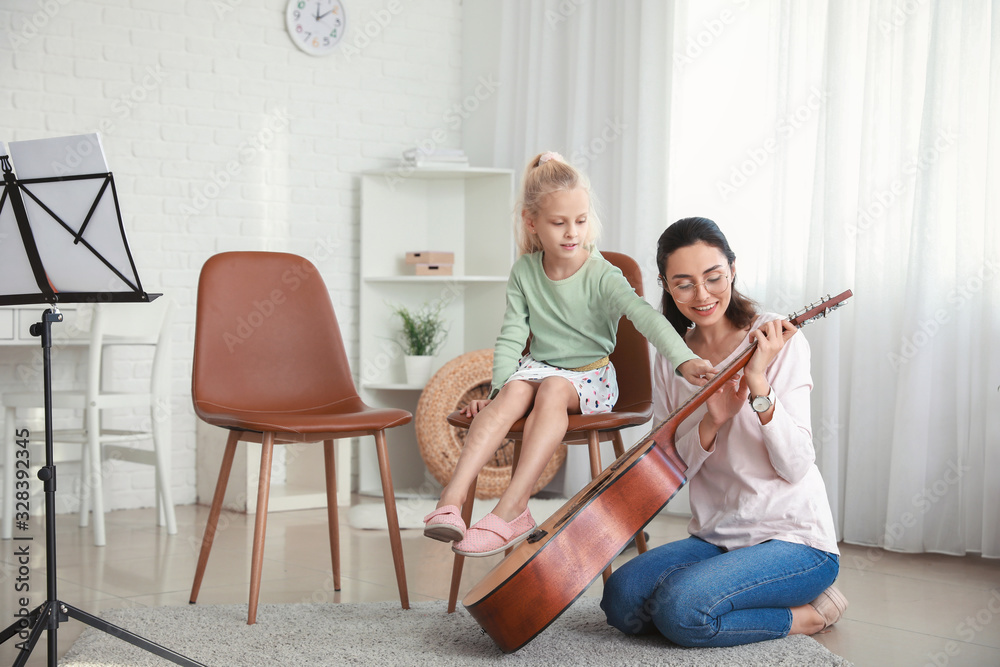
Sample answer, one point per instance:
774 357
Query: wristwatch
762 403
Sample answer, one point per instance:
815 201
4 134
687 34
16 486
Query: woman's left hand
770 337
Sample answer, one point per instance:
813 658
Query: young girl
762 554
569 299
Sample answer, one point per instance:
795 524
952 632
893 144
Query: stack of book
431 262
441 158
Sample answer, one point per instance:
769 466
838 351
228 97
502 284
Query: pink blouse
758 482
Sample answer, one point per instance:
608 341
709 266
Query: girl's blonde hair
542 178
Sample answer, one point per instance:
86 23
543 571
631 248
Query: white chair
120 324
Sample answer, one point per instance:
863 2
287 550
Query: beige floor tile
973 571
872 644
932 607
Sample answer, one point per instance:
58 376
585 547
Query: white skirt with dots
598 388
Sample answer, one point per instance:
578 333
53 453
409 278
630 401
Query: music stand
88 262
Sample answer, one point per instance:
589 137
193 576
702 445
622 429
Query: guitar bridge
536 536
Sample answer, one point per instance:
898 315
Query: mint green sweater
574 322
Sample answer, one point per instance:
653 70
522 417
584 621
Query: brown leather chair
270 366
634 407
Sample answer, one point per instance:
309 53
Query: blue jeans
697 594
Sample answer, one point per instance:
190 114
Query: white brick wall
222 136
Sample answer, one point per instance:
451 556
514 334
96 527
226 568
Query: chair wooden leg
260 524
388 494
213 515
158 502
85 489
333 519
96 481
459 561
86 471
594 449
619 445
9 444
161 449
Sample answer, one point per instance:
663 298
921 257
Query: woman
762 554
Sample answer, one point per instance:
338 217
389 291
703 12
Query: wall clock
316 26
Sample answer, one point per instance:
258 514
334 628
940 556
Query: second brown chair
270 366
634 407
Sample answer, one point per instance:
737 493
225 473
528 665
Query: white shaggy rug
380 633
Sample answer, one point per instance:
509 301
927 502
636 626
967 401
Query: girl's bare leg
544 431
485 436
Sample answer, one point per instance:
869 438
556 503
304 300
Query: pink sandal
445 524
831 605
491 535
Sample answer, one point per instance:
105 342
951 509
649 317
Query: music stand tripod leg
52 612
130 637
40 613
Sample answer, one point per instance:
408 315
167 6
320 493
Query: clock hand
318 17
321 16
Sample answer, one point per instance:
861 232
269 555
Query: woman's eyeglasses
715 283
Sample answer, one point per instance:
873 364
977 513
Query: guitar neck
664 433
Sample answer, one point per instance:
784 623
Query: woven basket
459 382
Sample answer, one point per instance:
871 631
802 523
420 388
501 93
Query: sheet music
17 277
72 266
59 156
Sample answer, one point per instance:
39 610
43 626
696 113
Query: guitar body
546 573
538 581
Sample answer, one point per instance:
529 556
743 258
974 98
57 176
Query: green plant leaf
423 330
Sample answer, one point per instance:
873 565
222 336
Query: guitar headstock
819 309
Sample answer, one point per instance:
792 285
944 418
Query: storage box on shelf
465 216
430 257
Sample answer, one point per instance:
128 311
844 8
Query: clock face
316 26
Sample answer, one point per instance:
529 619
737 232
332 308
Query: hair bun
549 155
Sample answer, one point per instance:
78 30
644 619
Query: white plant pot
418 369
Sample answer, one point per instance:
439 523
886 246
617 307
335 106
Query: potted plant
422 335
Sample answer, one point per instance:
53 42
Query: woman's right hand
473 408
722 406
727 400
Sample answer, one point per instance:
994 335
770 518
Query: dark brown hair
741 311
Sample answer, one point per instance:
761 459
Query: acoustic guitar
543 576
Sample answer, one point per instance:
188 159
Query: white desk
16 321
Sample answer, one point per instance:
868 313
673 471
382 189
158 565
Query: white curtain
922 415
841 144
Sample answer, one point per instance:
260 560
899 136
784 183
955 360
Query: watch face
760 403
316 26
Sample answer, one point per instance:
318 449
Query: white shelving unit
465 211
